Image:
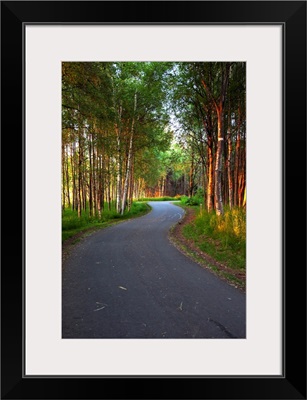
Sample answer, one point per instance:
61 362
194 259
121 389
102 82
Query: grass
217 243
191 201
164 198
73 225
221 237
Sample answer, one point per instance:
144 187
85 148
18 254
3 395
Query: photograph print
154 200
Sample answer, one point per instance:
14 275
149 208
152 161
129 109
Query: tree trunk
73 173
210 175
191 180
218 165
244 198
94 196
127 175
90 178
237 161
79 176
67 180
131 186
109 196
129 160
219 107
229 166
101 185
118 172
63 178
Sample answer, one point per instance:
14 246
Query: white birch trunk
129 160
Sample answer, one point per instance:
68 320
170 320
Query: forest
134 130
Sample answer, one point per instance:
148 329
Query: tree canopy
137 129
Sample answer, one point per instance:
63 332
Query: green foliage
164 198
86 92
190 201
172 116
222 237
157 162
196 200
72 224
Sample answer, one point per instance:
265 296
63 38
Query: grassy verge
217 242
164 198
221 237
73 226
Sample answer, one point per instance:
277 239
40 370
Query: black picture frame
292 384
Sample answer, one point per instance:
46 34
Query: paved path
129 281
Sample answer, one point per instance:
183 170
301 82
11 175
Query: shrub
191 201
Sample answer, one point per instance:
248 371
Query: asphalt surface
129 281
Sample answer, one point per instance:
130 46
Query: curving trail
129 281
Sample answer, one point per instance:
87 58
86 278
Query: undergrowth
72 224
222 237
163 198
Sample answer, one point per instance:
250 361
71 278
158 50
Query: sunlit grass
163 198
221 237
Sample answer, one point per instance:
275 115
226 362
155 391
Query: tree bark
94 181
218 165
219 107
210 175
90 177
118 172
73 172
191 177
79 174
63 177
237 161
101 184
229 163
67 179
129 160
